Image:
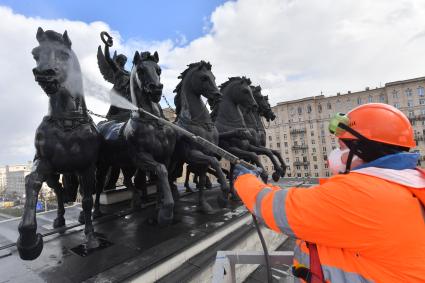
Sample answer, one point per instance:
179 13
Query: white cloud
293 48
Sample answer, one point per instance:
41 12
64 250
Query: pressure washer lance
232 159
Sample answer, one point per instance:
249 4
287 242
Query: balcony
416 118
297 131
301 163
299 147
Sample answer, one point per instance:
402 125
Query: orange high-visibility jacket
368 225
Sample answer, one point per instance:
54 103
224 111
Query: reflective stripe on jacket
367 228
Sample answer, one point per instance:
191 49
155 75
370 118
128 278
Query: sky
292 48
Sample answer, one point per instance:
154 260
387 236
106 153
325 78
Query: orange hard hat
381 123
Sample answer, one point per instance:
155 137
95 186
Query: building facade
300 130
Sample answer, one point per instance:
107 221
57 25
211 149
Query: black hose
266 251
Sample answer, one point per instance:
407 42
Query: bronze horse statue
235 136
66 141
252 117
141 142
192 115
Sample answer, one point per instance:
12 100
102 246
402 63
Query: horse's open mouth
48 83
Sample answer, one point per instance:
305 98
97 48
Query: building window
410 103
359 100
395 94
300 110
327 173
287 160
298 174
315 166
305 167
423 111
298 167
319 108
286 144
270 138
314 158
312 134
325 157
278 145
313 142
315 174
289 174
308 108
381 98
314 149
421 91
370 99
397 105
326 165
421 101
329 105
408 92
284 136
324 149
411 114
297 159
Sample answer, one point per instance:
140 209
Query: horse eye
204 78
158 72
36 57
63 56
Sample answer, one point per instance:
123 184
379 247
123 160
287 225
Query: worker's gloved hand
240 170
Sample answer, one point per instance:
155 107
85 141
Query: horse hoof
59 222
91 241
165 216
30 252
97 213
81 218
222 201
276 176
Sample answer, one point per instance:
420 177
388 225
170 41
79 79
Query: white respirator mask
335 160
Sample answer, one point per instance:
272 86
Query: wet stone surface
126 236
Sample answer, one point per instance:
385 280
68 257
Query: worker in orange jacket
366 223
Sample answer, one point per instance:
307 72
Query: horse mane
234 79
178 88
216 105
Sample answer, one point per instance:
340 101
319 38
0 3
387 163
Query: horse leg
112 178
208 183
186 180
250 157
204 206
128 174
29 243
53 182
87 181
100 187
141 185
198 157
165 213
265 151
282 163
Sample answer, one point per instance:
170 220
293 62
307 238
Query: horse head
264 108
238 90
201 80
57 65
146 73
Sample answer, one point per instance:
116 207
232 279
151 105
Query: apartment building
300 130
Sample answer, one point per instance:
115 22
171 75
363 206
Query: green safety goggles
339 124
